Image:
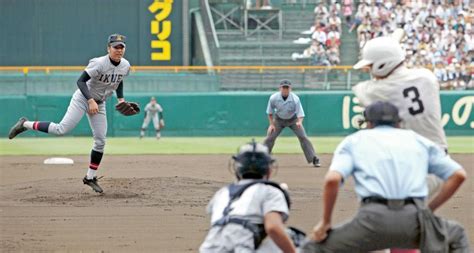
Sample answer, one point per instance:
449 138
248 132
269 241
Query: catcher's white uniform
416 94
254 203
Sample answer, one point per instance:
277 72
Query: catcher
100 79
245 212
153 111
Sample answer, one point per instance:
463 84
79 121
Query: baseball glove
162 123
127 108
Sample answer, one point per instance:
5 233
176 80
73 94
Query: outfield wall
228 113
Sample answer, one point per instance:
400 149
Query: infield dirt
154 203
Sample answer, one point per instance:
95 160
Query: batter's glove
127 108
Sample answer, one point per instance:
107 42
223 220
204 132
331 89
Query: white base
58 160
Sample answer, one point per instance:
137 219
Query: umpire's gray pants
77 107
280 124
377 227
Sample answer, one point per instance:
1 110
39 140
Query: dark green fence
70 32
228 113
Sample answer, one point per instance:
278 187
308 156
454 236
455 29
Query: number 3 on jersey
412 92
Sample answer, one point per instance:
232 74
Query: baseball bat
399 34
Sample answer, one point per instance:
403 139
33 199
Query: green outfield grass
179 145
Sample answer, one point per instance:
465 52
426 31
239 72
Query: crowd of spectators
324 36
439 35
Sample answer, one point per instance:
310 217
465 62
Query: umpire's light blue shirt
391 163
285 109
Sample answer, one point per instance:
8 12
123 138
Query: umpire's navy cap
382 113
285 83
116 39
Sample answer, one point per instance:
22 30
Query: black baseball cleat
316 162
93 184
18 128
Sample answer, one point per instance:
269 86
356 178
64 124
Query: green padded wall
228 113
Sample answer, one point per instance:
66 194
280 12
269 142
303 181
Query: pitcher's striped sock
37 125
96 157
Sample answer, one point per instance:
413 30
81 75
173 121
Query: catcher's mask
253 161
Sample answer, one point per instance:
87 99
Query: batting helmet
383 53
253 160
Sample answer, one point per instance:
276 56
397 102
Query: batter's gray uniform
256 201
286 114
415 92
105 78
152 114
391 165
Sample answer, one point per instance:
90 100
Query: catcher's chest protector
235 191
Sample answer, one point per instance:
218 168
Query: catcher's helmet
253 160
383 53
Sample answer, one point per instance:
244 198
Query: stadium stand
239 39
324 37
228 33
439 34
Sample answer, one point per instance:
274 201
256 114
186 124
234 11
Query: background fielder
102 76
284 110
154 112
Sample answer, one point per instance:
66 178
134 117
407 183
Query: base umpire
284 110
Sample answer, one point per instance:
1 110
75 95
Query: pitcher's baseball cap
382 113
285 83
116 39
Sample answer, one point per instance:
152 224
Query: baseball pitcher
102 76
154 112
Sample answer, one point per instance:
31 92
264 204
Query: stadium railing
15 80
25 80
